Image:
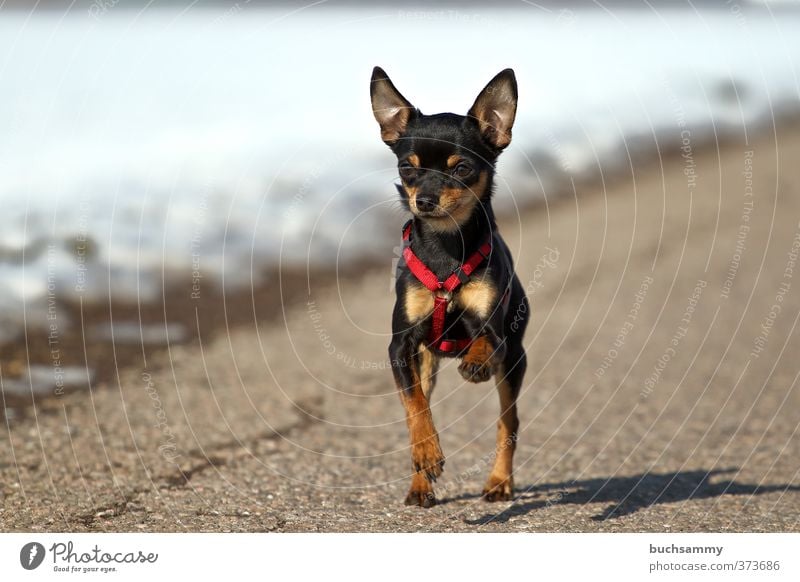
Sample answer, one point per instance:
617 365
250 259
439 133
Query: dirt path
661 393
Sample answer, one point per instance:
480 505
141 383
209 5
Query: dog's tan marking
453 160
411 192
477 296
459 204
428 368
418 302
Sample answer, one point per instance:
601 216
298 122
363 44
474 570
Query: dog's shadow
626 495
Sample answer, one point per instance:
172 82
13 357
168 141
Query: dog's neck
444 251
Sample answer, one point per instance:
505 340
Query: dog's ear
495 109
391 109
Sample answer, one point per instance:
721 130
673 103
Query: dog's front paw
476 366
421 492
420 497
499 489
475 371
427 458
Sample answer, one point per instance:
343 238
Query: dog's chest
476 297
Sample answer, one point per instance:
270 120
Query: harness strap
428 278
439 315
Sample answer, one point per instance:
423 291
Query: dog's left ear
495 109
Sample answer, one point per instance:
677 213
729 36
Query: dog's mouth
435 212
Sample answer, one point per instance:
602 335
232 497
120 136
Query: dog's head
446 161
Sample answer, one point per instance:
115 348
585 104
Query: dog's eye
462 170
407 171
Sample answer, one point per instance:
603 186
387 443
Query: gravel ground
660 396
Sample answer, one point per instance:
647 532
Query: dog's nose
425 204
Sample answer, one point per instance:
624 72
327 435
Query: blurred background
148 150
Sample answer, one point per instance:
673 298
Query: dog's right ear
391 109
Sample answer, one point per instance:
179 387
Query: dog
457 293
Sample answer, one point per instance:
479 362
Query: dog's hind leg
500 485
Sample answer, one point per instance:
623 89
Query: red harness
428 278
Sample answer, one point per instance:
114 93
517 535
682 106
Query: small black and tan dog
457 293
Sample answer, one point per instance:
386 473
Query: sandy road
661 393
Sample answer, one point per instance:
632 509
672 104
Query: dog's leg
415 376
426 454
500 486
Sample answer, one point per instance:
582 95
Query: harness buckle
444 294
462 276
